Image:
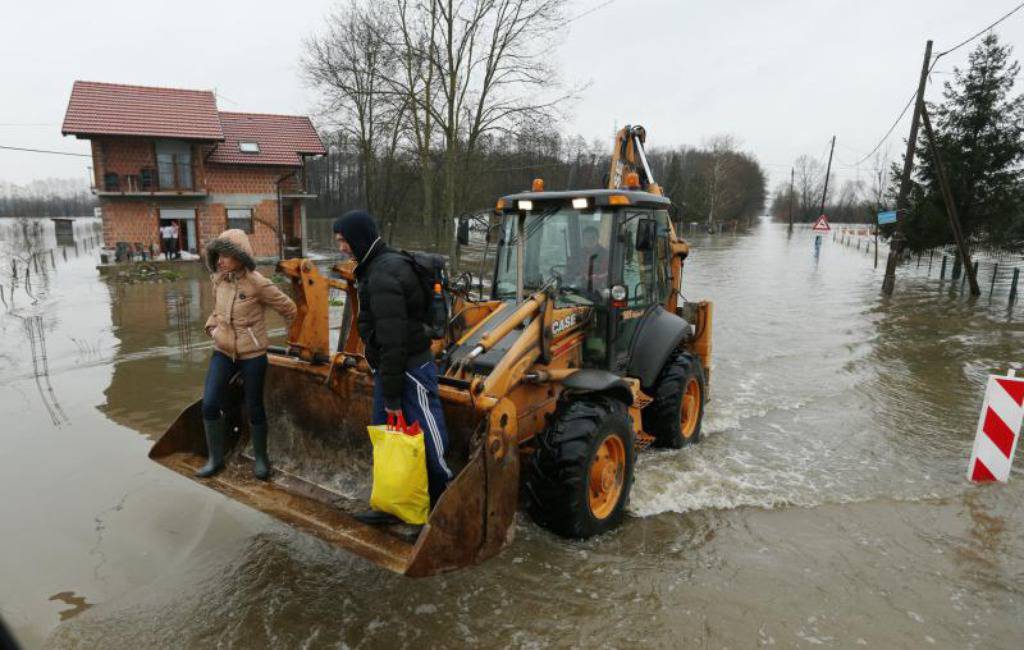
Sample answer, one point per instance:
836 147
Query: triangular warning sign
821 225
1014 388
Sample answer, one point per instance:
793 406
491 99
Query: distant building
162 155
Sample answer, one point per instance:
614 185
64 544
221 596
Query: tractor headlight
618 292
525 205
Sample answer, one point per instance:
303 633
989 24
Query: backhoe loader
579 354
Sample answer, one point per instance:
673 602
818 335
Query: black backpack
433 277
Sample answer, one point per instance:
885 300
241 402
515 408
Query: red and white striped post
998 429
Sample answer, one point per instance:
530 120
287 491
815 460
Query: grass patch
145 272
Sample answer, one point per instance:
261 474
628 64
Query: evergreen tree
979 127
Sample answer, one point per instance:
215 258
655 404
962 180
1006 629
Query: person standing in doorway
167 240
239 332
392 315
176 236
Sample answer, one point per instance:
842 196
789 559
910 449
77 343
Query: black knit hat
359 230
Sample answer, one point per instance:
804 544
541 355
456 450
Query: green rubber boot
260 468
215 447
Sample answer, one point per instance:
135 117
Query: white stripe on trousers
435 434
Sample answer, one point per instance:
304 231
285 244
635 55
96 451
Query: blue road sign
886 217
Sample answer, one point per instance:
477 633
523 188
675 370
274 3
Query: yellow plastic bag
399 472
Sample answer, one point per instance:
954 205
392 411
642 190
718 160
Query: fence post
1013 285
995 272
957 267
942 271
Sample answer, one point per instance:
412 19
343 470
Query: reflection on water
36 336
826 506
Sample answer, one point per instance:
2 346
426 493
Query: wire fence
998 271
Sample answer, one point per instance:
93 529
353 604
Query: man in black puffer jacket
392 315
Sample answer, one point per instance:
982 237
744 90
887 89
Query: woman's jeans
221 370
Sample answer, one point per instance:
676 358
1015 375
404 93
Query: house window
174 164
240 218
248 146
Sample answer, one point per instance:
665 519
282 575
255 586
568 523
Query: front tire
581 473
676 416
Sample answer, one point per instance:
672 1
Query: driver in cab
589 267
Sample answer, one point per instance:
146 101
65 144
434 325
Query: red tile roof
282 139
116 109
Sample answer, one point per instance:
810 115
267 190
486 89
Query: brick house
161 155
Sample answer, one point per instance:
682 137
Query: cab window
663 256
638 278
560 243
637 265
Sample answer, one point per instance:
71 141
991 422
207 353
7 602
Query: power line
891 128
588 12
913 96
965 42
57 153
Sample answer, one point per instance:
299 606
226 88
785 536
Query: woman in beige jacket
239 331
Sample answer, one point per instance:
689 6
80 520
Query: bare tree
720 174
350 63
434 78
810 180
417 28
50 197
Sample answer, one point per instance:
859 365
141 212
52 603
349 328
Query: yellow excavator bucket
317 412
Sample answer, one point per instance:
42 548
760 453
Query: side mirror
462 234
645 235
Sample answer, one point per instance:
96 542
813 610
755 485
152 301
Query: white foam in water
756 452
684 481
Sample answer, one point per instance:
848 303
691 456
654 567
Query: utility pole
878 208
896 245
947 198
828 172
792 171
714 193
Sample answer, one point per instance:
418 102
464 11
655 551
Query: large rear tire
676 416
580 475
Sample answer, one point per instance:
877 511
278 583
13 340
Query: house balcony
297 187
166 179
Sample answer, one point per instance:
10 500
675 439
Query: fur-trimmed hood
232 242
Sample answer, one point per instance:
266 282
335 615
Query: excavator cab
580 353
607 251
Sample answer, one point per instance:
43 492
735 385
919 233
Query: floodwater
827 506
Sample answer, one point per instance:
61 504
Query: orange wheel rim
689 410
607 474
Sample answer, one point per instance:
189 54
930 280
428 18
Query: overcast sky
780 76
